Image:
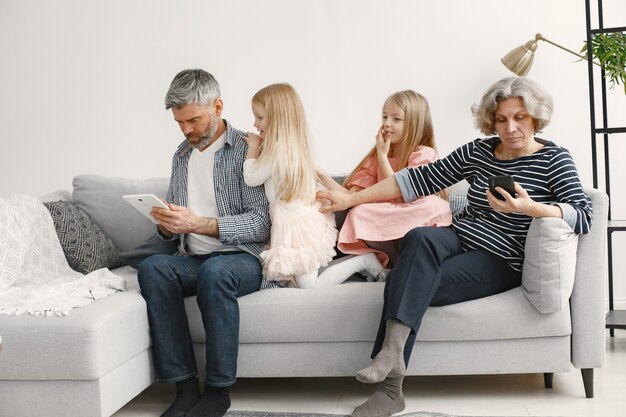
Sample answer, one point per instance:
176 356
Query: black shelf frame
615 319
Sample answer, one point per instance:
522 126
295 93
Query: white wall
82 82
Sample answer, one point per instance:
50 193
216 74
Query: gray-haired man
221 225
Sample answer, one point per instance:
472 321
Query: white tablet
144 203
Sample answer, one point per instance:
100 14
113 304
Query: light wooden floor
497 395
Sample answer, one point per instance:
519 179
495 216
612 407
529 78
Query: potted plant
610 50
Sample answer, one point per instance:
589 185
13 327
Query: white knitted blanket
35 278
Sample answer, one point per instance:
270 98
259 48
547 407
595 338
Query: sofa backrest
101 198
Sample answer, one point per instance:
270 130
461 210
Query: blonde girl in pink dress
302 239
405 138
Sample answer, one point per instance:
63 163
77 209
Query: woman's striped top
548 175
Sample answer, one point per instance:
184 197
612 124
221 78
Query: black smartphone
504 181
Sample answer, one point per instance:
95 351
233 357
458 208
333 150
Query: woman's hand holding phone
505 182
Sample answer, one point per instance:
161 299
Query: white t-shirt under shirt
201 197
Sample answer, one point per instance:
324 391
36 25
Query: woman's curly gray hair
537 102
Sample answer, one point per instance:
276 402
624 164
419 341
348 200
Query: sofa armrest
588 299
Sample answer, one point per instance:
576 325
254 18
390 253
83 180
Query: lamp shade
520 59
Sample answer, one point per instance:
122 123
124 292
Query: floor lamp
520 59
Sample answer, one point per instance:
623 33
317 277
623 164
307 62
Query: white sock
372 268
341 269
307 280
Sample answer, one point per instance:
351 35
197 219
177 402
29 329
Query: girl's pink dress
390 220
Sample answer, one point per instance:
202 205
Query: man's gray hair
192 86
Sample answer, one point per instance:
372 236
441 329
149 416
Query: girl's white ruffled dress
302 239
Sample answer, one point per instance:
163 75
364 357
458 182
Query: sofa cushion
85 345
101 198
84 244
549 264
350 312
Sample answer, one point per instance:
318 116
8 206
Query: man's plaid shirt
244 219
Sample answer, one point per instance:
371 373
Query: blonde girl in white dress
302 239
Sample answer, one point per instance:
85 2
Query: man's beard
205 139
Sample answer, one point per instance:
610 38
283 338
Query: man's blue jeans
217 279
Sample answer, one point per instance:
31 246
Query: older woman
482 253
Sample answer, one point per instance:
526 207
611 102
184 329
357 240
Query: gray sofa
96 359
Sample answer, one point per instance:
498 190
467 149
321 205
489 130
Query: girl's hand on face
383 142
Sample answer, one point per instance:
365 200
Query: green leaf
610 50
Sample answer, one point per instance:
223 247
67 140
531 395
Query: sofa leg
547 379
588 381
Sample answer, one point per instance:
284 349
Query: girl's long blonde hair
286 143
418 129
